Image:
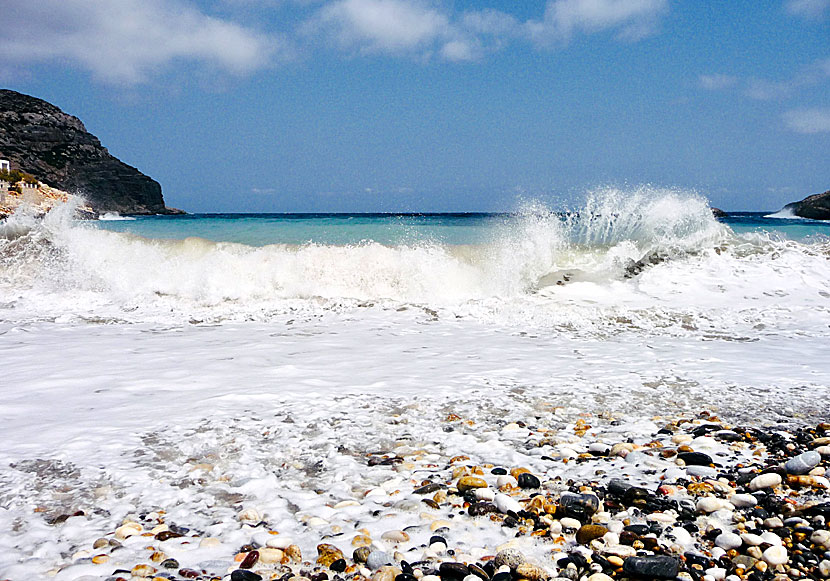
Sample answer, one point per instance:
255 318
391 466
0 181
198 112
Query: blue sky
438 105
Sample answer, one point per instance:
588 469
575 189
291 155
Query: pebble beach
680 498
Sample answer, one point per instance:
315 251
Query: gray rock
815 207
378 559
803 463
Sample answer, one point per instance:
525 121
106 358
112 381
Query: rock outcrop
815 207
40 139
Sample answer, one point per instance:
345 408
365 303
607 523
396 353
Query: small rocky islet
701 500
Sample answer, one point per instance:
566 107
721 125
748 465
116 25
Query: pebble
803 463
652 567
244 575
762 481
752 540
377 559
742 500
728 541
776 555
466 483
395 536
507 503
709 504
453 570
531 572
509 557
484 494
326 554
268 555
528 480
128 530
695 458
588 533
821 538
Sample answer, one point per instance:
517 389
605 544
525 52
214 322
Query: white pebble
728 541
570 523
485 494
776 555
505 503
822 538
716 573
709 504
279 542
506 479
762 481
771 538
752 540
743 500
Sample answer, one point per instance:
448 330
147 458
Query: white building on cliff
4 165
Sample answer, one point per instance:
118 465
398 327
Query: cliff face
40 139
815 207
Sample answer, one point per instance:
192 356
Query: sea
269 351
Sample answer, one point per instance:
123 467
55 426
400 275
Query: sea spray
645 260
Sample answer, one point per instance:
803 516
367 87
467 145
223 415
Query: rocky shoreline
693 498
41 200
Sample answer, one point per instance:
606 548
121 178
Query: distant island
52 148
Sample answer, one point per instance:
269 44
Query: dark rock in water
695 458
656 567
815 207
502 576
498 471
245 575
40 139
249 560
429 488
718 213
339 565
406 577
453 570
618 487
482 508
437 539
528 480
579 506
478 572
170 564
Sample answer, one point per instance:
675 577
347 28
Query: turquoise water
390 229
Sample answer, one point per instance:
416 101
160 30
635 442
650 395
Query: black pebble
339 565
245 575
451 570
695 458
527 480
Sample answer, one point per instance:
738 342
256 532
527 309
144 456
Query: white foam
114 217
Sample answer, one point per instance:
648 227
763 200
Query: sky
438 105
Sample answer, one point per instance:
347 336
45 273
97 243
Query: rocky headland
55 147
815 207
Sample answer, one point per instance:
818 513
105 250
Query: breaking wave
653 259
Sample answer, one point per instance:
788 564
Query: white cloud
382 25
717 82
811 9
632 19
766 90
424 27
127 41
816 120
